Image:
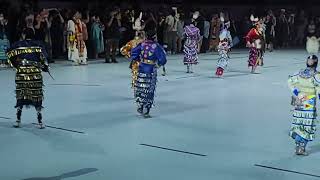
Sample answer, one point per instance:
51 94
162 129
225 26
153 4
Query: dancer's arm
317 83
293 81
161 55
135 53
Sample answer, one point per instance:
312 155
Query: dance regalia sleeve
317 83
252 34
136 53
161 55
230 39
126 49
293 81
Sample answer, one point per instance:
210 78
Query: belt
147 61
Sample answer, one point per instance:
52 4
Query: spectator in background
269 33
4 42
247 25
291 24
171 30
25 19
301 24
180 33
29 21
127 32
161 28
65 13
112 35
215 31
233 29
42 31
283 29
85 21
56 30
77 50
206 33
311 28
317 21
150 18
199 23
97 36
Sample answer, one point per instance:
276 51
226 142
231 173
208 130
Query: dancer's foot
17 124
189 68
217 72
253 69
301 149
41 126
140 110
220 72
147 115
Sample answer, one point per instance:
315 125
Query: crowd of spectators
106 29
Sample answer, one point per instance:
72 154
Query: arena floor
203 127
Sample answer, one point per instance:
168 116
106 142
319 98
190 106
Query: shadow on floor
314 149
77 173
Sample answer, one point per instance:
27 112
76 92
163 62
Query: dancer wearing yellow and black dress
126 51
305 88
28 57
150 55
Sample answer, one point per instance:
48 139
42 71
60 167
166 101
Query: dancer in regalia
191 44
28 57
126 51
305 86
224 47
77 50
255 41
150 55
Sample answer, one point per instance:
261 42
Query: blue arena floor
203 128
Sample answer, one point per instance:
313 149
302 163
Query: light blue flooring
237 121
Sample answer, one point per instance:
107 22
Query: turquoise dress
97 37
4 45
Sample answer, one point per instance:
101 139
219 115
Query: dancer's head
139 35
151 30
28 34
188 22
312 61
255 22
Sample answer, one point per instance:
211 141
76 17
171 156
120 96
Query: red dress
255 39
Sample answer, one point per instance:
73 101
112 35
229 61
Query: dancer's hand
45 68
302 97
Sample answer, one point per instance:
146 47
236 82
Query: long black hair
151 30
315 64
29 33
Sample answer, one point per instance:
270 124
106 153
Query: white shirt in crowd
171 23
